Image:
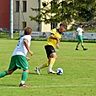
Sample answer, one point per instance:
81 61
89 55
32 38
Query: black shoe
85 49
76 49
22 85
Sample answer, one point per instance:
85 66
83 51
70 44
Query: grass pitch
79 78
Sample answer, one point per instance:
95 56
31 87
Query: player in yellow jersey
53 43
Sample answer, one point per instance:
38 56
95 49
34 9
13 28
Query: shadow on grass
33 73
8 85
88 59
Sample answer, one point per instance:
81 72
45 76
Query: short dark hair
80 24
64 25
27 31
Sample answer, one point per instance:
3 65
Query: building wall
33 4
45 27
19 17
5 14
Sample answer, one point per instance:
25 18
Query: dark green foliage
66 10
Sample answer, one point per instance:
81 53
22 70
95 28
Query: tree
66 10
86 9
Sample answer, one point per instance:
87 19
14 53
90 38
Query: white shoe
37 70
52 72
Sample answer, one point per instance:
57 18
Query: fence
66 35
40 35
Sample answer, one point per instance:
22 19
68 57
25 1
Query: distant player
79 33
53 43
19 59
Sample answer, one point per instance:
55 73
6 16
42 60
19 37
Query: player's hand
57 46
28 58
31 53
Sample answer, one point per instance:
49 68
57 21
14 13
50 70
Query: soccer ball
59 71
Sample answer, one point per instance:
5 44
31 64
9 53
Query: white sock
22 82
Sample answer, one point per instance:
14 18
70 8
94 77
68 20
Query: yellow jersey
53 42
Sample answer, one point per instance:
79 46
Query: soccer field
79 78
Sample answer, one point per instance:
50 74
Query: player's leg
77 46
51 62
49 50
37 69
24 78
43 65
81 41
83 46
78 38
22 63
4 73
11 69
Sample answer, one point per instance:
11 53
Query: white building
22 11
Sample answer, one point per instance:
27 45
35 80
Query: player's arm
83 31
57 39
58 44
27 47
27 58
54 37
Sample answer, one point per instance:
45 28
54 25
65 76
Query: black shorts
49 50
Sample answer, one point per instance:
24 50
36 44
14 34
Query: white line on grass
52 86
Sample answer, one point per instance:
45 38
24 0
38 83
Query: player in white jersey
19 57
79 33
20 48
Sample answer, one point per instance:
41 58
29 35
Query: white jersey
20 48
79 31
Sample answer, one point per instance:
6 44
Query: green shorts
80 38
18 61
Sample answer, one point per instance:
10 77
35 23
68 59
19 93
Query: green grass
79 78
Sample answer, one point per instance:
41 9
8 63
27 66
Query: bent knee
9 72
26 71
53 55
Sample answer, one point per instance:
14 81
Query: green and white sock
24 77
